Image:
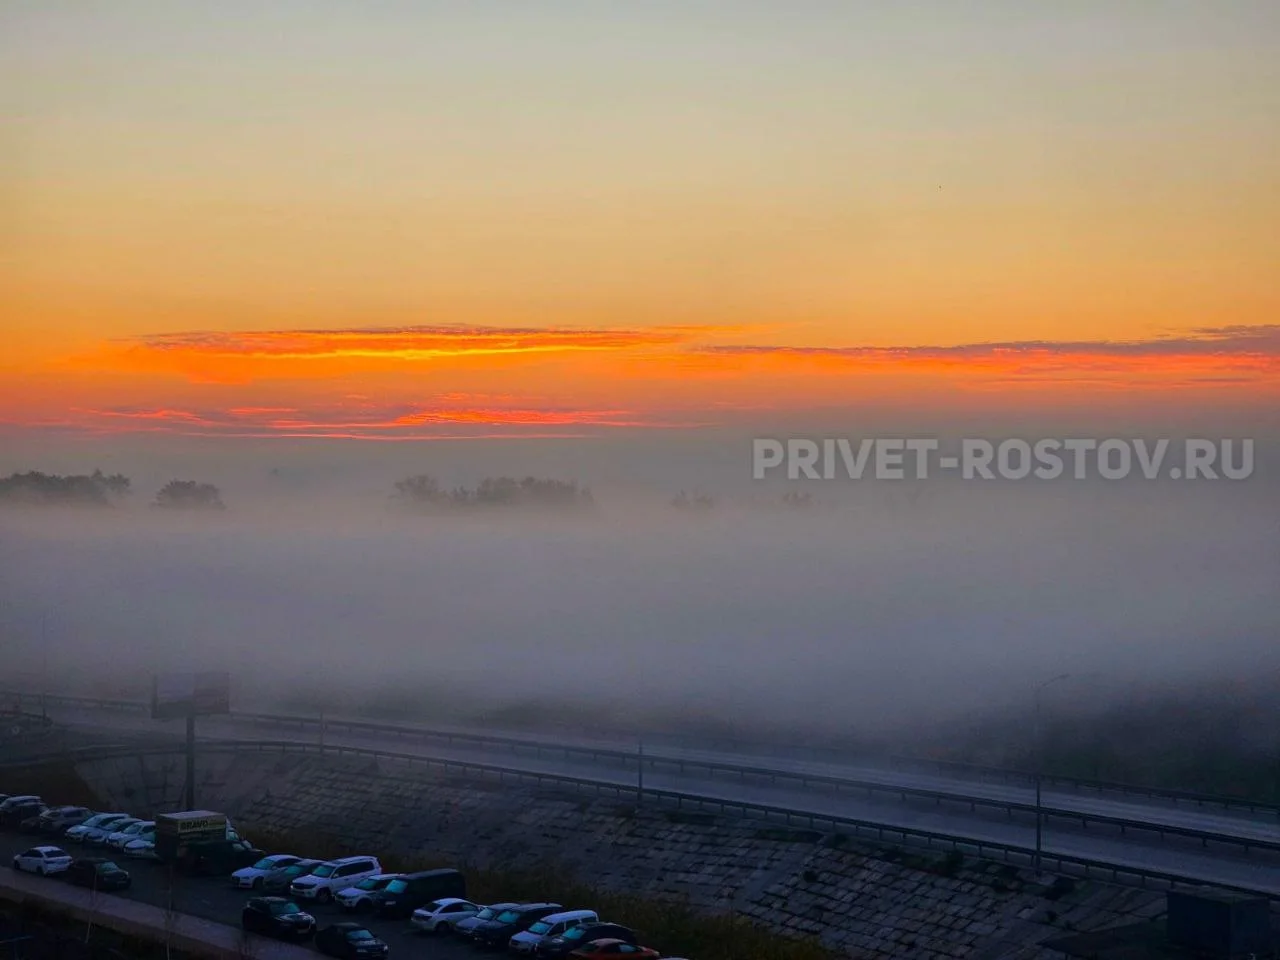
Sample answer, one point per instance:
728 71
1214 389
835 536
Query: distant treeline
425 491
100 490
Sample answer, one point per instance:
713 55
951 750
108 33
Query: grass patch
671 926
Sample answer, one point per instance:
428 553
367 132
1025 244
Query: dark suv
496 932
403 895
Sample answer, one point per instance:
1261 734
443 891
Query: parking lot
213 898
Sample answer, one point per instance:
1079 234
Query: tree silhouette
34 487
425 490
189 495
699 501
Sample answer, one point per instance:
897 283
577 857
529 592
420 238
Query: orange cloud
246 356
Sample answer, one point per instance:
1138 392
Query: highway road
212 898
1213 861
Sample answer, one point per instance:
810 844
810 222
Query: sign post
187 696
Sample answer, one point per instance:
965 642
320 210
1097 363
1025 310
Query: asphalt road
1213 862
213 898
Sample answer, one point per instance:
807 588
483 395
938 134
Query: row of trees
101 490
425 490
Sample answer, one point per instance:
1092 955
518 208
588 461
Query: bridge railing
654 760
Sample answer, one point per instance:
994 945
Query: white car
42 860
358 897
251 878
526 941
134 831
141 849
334 875
439 916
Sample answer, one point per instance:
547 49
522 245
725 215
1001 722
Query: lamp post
1039 747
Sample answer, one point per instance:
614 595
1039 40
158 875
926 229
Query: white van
526 941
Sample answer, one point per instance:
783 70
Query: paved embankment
870 901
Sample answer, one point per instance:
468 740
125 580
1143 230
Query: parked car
32 823
407 893
550 926
252 876
96 822
141 849
496 932
58 820
350 940
439 916
334 875
281 877
97 873
42 860
134 831
217 857
615 948
360 896
16 809
575 937
277 917
467 925
97 837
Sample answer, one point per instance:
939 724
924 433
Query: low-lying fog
869 613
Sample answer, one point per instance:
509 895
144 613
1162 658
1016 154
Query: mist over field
880 609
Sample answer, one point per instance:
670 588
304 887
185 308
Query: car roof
445 872
344 860
446 901
273 899
605 942
49 846
567 915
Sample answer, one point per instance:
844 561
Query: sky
408 221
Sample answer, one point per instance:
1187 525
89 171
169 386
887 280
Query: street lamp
1039 746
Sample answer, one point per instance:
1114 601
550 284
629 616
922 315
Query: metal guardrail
652 761
900 835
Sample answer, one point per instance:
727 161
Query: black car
58 820
277 917
403 895
464 926
97 873
16 809
350 940
580 936
282 877
496 932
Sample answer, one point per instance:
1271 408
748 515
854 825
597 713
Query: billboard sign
190 695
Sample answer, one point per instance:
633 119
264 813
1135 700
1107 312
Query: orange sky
416 224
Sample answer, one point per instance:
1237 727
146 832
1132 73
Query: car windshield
370 883
397 886
281 909
540 927
325 871
296 870
577 933
107 867
266 863
434 905
509 916
359 935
